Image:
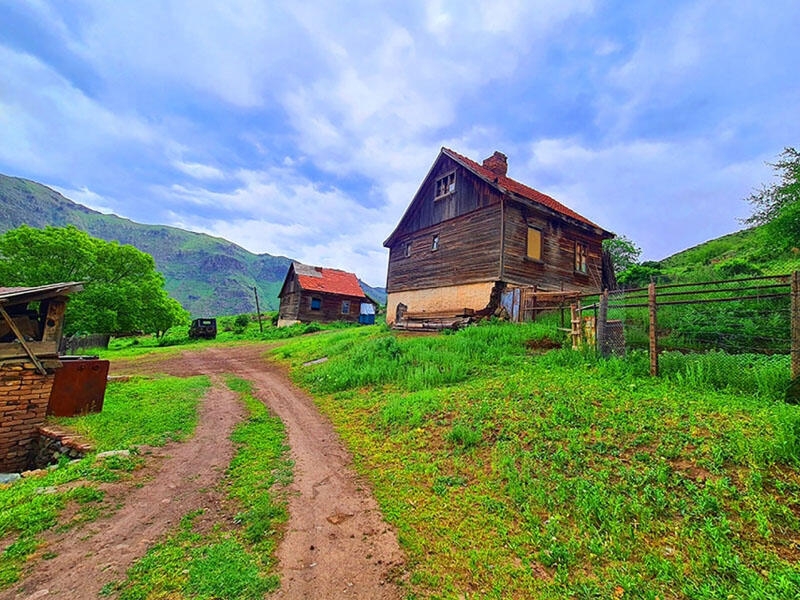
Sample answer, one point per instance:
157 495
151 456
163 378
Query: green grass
177 338
227 562
143 411
135 412
510 474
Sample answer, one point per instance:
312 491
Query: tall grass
417 363
511 473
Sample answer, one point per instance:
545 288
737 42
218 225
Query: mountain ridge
208 275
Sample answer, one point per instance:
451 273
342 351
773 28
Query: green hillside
740 254
207 275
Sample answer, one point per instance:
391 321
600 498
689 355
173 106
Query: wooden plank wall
470 193
468 251
558 251
331 309
290 305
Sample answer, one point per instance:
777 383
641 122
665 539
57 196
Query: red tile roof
516 187
332 281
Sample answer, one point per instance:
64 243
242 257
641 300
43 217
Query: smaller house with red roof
471 233
320 294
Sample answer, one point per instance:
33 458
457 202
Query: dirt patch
544 343
336 542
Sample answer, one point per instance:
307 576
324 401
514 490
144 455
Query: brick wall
24 394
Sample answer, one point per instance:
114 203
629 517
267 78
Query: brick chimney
497 163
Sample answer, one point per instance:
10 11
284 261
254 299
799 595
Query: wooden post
795 325
602 318
576 326
258 311
651 300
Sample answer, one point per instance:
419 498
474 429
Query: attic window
407 249
580 257
435 243
445 185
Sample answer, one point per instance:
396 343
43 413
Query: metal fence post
651 301
795 325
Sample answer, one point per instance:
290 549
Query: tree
624 253
777 206
123 292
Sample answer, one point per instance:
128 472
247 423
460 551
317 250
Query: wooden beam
22 341
54 320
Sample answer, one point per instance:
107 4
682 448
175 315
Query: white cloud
52 127
198 170
665 196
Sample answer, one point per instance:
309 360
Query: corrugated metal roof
332 281
12 295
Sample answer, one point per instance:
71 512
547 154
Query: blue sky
304 129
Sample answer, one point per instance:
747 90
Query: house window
435 243
580 257
534 243
345 307
445 185
316 303
407 249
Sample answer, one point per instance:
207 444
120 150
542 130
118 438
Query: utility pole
258 310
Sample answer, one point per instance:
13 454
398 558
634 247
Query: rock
9 477
34 473
108 453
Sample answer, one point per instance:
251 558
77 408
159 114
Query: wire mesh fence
740 333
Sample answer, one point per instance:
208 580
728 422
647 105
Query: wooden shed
31 322
471 232
319 294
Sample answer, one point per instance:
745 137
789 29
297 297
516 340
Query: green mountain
207 275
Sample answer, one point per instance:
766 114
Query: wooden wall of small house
468 251
290 305
557 266
470 193
330 310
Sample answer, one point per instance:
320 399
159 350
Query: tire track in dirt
336 543
91 556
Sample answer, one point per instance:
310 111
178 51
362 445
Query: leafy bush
241 322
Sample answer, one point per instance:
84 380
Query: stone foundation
454 298
54 443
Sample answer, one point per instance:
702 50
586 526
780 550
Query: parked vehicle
203 328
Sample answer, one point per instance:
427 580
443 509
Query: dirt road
336 543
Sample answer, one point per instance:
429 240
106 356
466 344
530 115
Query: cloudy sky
304 128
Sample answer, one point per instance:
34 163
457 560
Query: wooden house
319 294
471 233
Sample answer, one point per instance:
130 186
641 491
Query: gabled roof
504 185
331 281
520 189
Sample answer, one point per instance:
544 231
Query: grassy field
516 474
509 472
135 412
